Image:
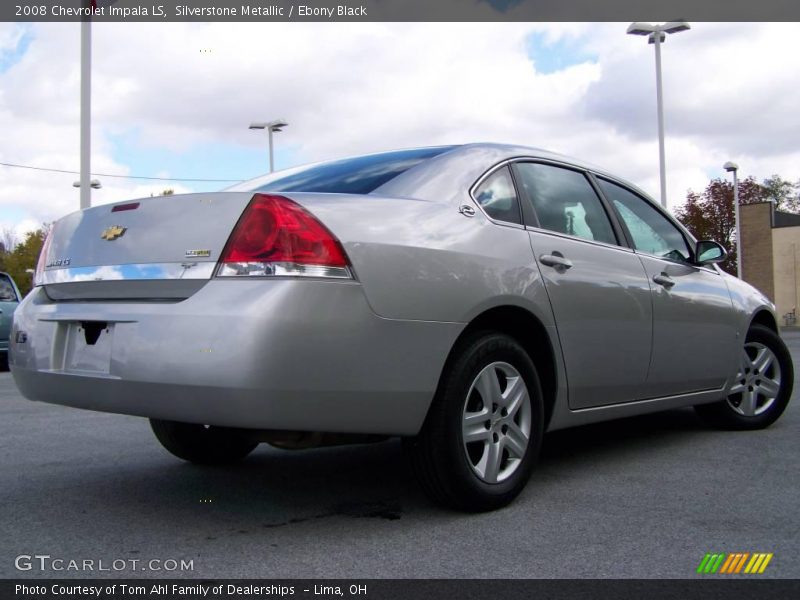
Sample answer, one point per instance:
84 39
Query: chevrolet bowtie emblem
113 232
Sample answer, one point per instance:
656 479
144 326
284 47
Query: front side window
651 231
497 197
7 293
565 202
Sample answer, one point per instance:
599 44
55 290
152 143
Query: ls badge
112 233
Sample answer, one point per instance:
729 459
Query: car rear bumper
305 355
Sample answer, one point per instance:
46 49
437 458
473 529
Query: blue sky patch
8 58
550 57
215 160
13 213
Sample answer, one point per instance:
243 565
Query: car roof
455 167
461 166
518 151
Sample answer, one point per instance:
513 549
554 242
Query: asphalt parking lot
642 497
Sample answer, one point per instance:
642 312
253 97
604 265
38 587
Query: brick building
771 254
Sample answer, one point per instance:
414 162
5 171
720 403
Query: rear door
598 289
8 303
694 324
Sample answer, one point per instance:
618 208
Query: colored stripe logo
731 563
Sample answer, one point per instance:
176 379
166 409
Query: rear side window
358 175
651 231
565 202
7 293
497 197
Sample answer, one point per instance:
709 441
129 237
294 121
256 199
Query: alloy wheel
496 422
758 381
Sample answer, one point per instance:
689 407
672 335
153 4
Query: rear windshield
358 175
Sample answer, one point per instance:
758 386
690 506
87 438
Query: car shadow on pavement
274 488
621 436
133 496
375 480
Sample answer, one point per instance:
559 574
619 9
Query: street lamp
93 184
732 167
272 126
656 34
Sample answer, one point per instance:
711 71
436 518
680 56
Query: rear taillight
40 264
278 237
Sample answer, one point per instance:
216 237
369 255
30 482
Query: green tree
783 193
710 216
24 256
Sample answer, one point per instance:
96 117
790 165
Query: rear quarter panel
422 260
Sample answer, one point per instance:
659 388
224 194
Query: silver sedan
466 298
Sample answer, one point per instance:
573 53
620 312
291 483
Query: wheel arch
766 319
530 333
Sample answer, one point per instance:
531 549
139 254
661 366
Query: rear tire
201 444
762 388
483 432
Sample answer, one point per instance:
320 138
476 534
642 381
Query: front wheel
484 429
762 388
202 444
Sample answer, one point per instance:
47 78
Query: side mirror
708 252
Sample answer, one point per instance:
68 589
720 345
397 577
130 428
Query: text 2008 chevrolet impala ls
467 298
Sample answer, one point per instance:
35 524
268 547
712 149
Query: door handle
555 260
664 280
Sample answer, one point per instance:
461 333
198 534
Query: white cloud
731 93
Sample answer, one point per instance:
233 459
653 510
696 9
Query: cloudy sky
175 100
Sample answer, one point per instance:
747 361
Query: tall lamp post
86 108
271 127
656 34
85 184
732 167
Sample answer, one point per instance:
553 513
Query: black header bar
398 10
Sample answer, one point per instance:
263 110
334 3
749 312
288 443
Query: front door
694 323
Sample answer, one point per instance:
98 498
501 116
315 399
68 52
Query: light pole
656 34
86 108
86 186
271 127
732 167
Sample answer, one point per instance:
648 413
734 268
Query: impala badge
197 253
112 233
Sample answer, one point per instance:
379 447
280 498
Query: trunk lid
163 247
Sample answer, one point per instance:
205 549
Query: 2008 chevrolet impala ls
467 298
